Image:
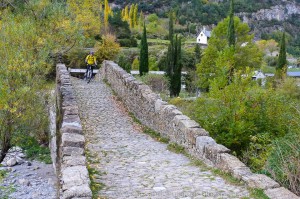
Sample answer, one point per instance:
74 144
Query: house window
201 35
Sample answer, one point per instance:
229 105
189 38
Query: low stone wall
70 160
166 119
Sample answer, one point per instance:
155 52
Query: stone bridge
100 143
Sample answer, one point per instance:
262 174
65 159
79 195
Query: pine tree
231 31
173 60
144 59
282 62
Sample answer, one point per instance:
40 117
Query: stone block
191 134
280 193
72 151
202 141
260 181
70 110
72 140
75 124
74 176
77 160
80 192
211 151
72 129
241 172
178 118
71 119
184 124
158 105
228 163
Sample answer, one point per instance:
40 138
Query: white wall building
203 37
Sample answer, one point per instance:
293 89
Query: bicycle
89 74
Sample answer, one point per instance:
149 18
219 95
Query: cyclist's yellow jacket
91 59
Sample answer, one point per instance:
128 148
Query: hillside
265 17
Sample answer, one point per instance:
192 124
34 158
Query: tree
173 60
231 30
135 15
106 14
131 16
44 29
107 49
86 13
197 51
144 59
246 53
282 62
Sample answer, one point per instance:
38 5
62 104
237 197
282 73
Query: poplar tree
144 59
131 12
282 62
173 60
135 15
126 14
141 19
106 14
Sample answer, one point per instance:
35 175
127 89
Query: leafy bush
108 49
241 110
158 83
284 161
124 63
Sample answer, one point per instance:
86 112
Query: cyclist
90 60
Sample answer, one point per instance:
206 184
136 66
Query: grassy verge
34 151
96 186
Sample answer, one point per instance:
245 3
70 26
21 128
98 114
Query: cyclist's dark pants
87 67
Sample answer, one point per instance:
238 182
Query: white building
203 37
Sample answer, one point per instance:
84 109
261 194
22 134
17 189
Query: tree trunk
6 138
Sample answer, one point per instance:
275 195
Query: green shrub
124 63
158 83
284 161
241 110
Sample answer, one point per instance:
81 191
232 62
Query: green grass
95 186
176 148
3 174
293 70
258 194
33 150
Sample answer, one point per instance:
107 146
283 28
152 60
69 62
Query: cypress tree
282 62
197 51
231 31
144 63
231 38
173 60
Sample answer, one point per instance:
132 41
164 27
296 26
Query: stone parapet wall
70 162
166 119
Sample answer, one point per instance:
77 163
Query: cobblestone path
133 165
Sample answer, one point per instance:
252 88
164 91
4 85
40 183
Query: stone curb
171 123
73 173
